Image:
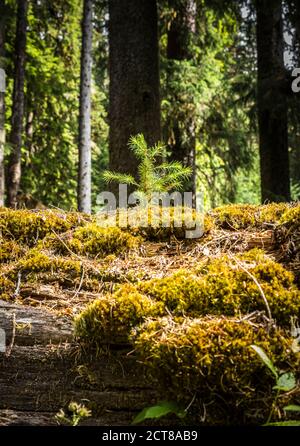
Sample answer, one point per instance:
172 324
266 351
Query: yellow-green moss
93 241
221 287
29 226
210 359
159 223
291 218
10 250
247 216
7 288
111 319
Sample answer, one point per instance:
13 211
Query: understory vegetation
189 309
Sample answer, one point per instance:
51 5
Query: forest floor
57 268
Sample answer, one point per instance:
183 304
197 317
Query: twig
80 284
257 284
17 290
65 245
9 348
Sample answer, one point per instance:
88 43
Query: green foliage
153 177
75 413
285 382
158 411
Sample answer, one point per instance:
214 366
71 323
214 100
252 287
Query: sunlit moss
29 226
210 359
245 216
158 223
10 250
222 287
111 319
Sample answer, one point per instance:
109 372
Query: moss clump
159 223
247 216
111 319
210 359
37 261
93 240
29 226
288 237
221 287
10 251
7 288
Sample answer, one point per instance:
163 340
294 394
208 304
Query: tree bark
14 167
272 103
2 102
134 79
183 140
84 174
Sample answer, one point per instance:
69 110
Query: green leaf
286 382
284 423
265 359
292 408
160 410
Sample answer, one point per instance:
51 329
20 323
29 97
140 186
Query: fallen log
45 371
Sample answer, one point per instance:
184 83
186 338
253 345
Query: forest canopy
209 78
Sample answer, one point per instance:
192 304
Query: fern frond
121 178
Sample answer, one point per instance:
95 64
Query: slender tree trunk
2 101
134 79
183 140
84 174
14 168
272 103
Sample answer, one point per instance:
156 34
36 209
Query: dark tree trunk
272 103
84 173
183 141
2 102
134 79
14 167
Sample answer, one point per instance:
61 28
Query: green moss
245 216
291 218
111 319
10 251
29 226
221 287
210 359
159 223
7 288
93 241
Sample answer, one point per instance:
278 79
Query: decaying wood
45 372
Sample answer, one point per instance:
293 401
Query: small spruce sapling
154 175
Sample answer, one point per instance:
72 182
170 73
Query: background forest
210 78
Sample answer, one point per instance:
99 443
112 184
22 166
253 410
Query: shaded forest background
219 75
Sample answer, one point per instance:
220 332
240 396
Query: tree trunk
134 79
14 167
2 101
183 140
272 103
84 174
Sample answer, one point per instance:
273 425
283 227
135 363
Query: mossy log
42 372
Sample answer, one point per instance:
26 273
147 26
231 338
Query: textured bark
14 167
44 372
2 103
272 103
183 141
134 79
84 174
